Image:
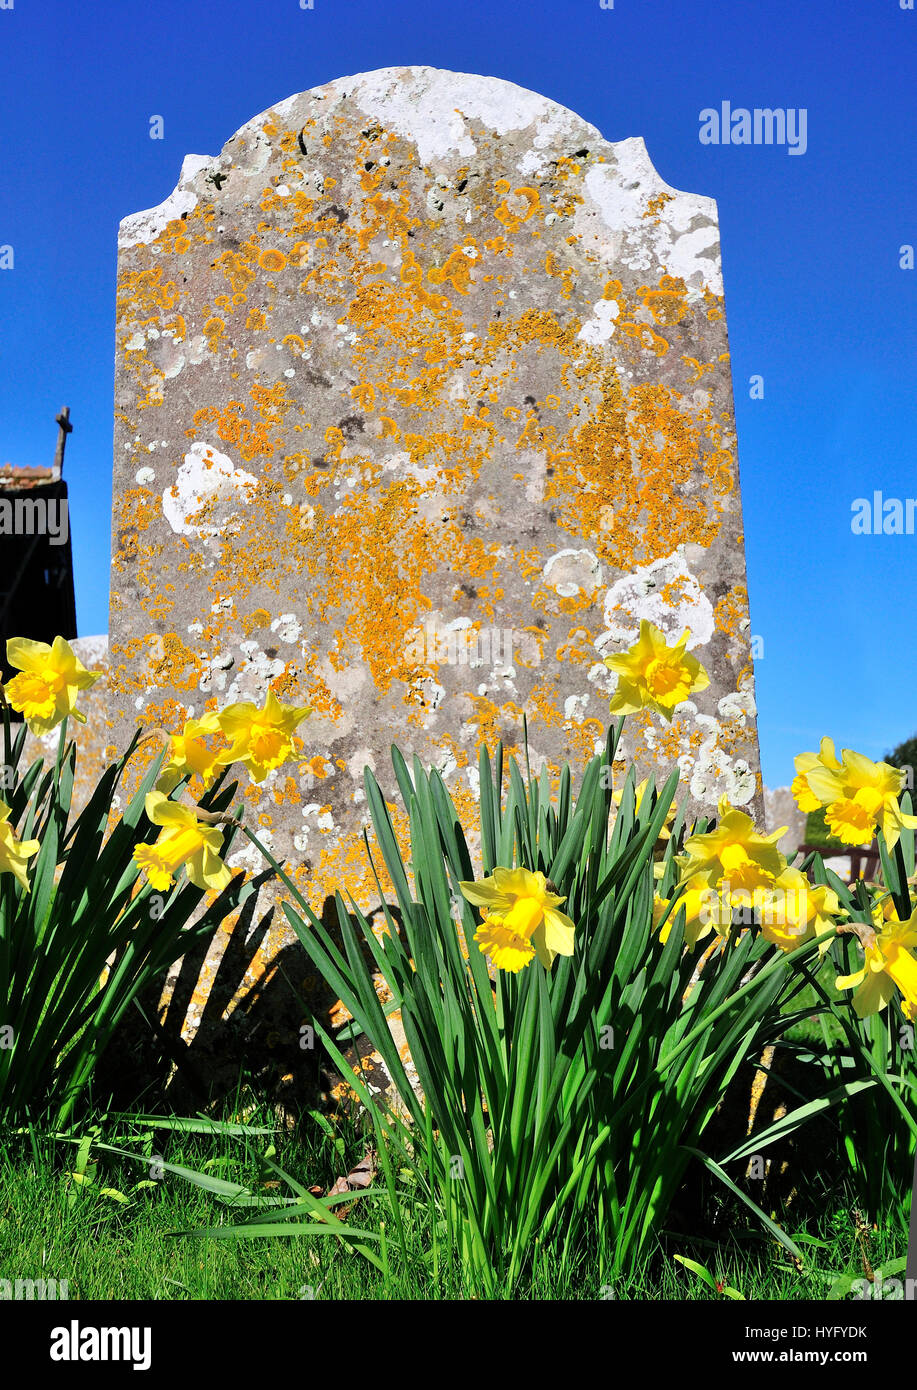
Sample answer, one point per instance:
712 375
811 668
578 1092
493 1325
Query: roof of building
14 479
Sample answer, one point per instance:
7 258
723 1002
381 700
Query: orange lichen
731 611
668 301
272 260
655 204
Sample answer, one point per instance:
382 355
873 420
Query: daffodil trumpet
520 919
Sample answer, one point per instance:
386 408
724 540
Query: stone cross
423 401
64 428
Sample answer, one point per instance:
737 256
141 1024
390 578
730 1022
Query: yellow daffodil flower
888 963
184 841
189 752
885 911
653 675
520 919
640 791
50 679
805 763
734 858
795 910
704 911
861 796
261 739
14 854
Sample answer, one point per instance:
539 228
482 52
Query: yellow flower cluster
859 796
44 693
259 739
734 867
49 680
888 963
731 867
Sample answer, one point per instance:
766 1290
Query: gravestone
423 401
780 809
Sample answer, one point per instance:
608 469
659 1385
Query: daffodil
734 859
520 919
14 854
185 841
888 963
805 763
704 911
859 797
795 910
189 752
885 911
640 791
653 675
50 679
261 739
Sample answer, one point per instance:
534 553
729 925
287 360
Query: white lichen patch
711 773
600 327
432 107
683 236
287 627
206 476
571 572
246 856
429 693
575 708
667 594
146 226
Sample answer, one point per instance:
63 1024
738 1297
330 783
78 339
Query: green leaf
776 1231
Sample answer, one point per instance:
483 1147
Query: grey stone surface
780 809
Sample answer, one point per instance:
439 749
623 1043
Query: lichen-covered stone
423 400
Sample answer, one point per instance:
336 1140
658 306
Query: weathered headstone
423 400
780 809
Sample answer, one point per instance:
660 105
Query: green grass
812 1030
52 1227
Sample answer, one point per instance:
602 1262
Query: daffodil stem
61 744
225 818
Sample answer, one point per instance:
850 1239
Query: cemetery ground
98 1221
112 1240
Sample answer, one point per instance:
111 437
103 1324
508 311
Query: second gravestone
423 400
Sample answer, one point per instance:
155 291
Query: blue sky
816 301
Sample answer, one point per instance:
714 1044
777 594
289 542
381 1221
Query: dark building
36 564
